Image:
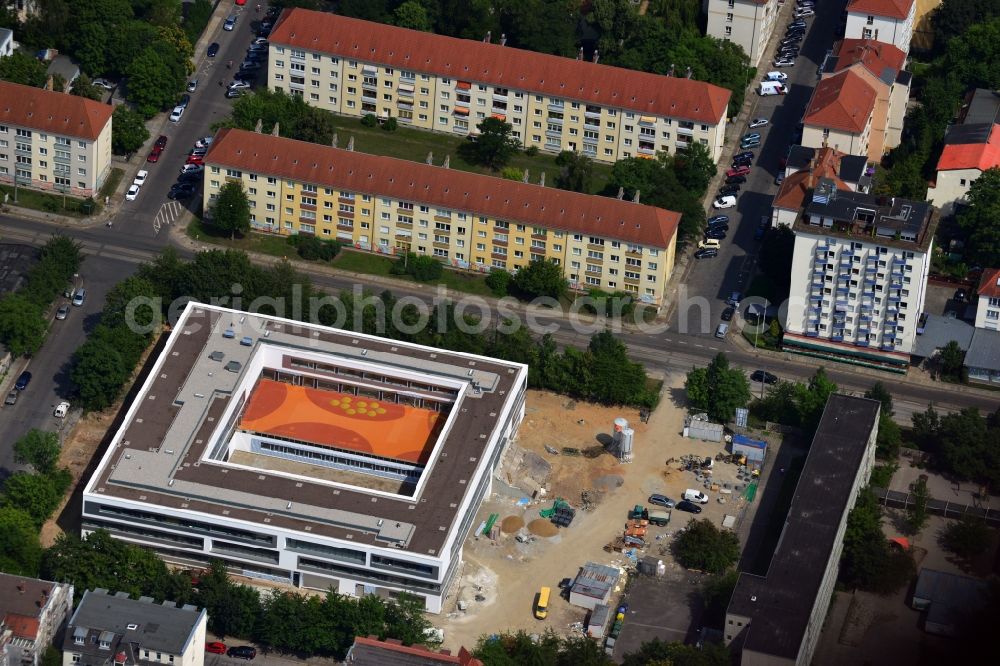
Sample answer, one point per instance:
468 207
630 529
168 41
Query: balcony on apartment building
557 106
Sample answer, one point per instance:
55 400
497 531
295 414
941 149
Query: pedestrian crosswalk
167 214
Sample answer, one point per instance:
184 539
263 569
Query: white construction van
692 495
771 88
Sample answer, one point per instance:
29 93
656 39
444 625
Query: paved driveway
668 608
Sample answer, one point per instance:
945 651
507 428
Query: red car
215 647
161 142
738 171
196 159
154 154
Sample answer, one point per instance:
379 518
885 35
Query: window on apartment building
729 31
870 20
729 18
732 3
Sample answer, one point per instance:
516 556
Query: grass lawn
111 183
376 264
411 144
49 203
275 246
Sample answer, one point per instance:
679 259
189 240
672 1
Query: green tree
128 131
953 18
704 546
155 75
22 325
615 380
412 14
295 118
130 292
968 537
36 494
83 87
495 144
916 515
231 210
540 278
38 448
718 389
661 653
576 171
99 372
867 561
512 173
498 281
694 167
233 609
51 657
889 436
951 359
812 398
980 219
21 68
20 551
657 184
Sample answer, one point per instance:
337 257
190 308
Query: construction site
568 504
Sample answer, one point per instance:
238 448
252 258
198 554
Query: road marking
701 346
168 213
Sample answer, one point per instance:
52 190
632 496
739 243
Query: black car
794 39
718 219
728 190
22 381
745 153
242 652
189 178
727 314
256 56
718 228
184 101
736 180
762 376
759 233
960 295
213 49
690 507
716 233
181 191
247 68
706 253
742 161
799 33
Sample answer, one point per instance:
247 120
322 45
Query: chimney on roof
447 161
689 72
597 56
541 181
635 197
258 126
430 158
503 39
525 178
350 143
489 37
276 131
335 140
579 54
621 193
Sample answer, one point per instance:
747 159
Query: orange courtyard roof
339 421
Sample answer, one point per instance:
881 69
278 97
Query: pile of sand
543 528
511 524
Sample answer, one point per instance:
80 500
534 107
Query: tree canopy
867 561
980 219
540 278
128 131
718 389
705 547
21 68
963 444
295 118
38 448
495 144
231 210
575 173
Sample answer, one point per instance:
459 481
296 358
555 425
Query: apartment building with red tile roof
441 83
840 114
970 147
55 141
889 21
467 220
31 613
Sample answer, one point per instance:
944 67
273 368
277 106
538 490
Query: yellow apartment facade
468 221
53 141
432 82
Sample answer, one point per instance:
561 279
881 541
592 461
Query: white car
759 122
230 24
103 83
192 168
61 410
724 202
239 85
175 115
132 193
140 178
203 142
776 76
784 62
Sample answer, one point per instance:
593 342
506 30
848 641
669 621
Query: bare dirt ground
500 578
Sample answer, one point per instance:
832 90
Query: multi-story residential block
859 277
889 21
804 167
114 629
53 141
468 221
840 114
971 146
982 359
433 82
776 619
923 25
881 65
748 23
31 613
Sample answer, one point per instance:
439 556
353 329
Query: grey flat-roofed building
113 628
777 618
326 459
949 599
593 585
938 331
983 357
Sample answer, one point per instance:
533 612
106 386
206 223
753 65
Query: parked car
185 100
758 234
175 115
736 180
213 50
239 84
215 647
22 381
724 202
192 168
718 233
804 12
232 93
661 500
706 253
242 652
734 299
759 122
203 142
260 41
61 410
780 178
192 85
154 155
738 171
140 178
11 398
249 66
181 191
729 190
718 219
763 376
742 161
161 141
195 159
230 23
750 143
685 505
190 177
745 153
79 296
103 83
62 312
783 62
133 192
727 314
